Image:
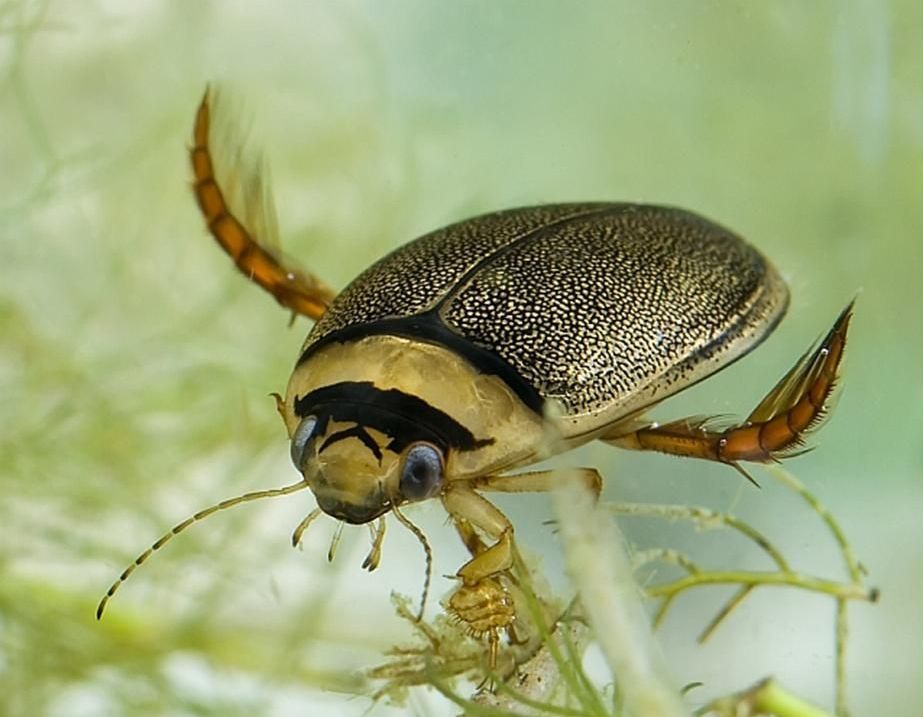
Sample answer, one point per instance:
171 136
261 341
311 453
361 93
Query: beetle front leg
464 505
482 601
468 507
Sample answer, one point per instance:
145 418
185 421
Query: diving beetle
493 343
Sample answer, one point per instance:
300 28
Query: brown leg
775 429
243 228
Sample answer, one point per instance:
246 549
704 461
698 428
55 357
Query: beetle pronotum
490 344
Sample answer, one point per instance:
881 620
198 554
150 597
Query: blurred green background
135 364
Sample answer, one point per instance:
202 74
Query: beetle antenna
180 527
426 549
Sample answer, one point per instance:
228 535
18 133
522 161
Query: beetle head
364 453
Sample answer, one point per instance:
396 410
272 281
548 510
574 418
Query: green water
134 363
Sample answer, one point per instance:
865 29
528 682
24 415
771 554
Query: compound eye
422 473
300 439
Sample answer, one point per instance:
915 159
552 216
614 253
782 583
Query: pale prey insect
495 342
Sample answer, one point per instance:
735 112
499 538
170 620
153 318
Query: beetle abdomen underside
595 306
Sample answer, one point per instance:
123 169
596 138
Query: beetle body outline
430 375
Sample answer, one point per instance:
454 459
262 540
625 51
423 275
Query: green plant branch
507 697
852 567
764 698
748 581
664 555
842 630
23 29
849 558
550 657
704 518
845 591
723 613
471 707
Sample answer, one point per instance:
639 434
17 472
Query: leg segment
299 291
483 601
775 429
466 506
469 508
538 481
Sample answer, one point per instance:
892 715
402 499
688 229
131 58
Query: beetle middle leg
538 481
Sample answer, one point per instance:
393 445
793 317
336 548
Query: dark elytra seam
429 326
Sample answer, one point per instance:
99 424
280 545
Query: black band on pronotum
403 417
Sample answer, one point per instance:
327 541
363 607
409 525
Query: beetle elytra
486 346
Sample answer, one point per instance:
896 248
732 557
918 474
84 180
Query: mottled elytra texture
588 303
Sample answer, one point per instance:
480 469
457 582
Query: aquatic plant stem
598 563
765 698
